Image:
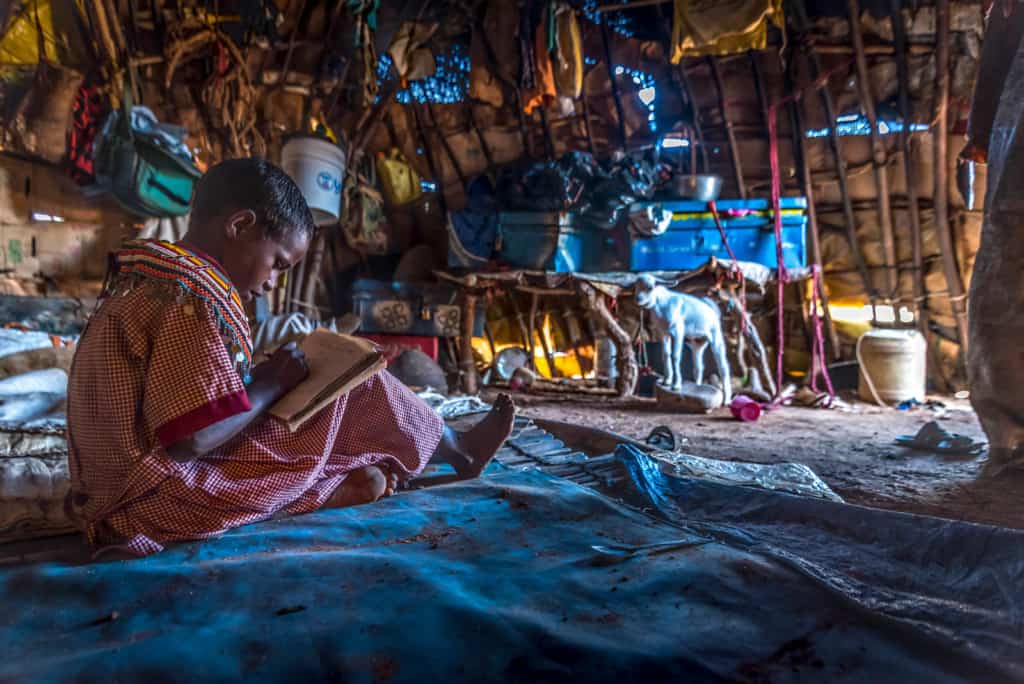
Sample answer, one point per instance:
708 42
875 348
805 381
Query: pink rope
713 208
783 275
736 271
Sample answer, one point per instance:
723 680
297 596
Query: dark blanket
525 577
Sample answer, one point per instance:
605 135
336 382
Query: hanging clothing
493 49
364 13
165 356
722 27
543 91
568 57
409 53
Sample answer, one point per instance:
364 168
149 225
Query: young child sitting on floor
168 437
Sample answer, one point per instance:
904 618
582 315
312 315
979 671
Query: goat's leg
722 361
666 360
698 347
677 359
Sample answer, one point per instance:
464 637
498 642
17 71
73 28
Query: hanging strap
713 208
782 275
735 270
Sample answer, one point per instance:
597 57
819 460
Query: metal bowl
701 187
508 360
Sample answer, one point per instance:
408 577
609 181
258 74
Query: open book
337 364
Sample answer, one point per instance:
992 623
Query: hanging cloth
365 14
722 27
544 91
494 54
409 53
568 56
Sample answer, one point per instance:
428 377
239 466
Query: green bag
136 166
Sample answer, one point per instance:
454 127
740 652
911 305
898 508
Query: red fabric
393 345
149 364
176 430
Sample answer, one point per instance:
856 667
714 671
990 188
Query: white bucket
318 167
892 366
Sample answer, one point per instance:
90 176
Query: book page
330 357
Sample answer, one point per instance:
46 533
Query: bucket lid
892 334
311 141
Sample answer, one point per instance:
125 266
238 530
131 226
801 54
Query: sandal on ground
932 437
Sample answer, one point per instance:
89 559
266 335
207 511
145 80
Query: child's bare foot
362 486
470 452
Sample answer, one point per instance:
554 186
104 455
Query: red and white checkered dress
150 370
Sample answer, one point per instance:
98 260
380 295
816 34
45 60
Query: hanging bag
399 181
138 167
365 226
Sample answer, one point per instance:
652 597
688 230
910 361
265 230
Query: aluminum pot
701 187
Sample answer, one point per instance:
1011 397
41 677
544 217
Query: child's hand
286 368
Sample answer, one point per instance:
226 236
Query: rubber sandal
662 438
932 437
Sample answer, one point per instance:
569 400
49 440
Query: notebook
337 364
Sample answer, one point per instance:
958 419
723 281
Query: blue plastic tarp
521 576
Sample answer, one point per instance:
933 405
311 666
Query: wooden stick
734 152
314 271
907 145
586 124
626 357
522 325
467 366
824 49
631 5
867 101
800 156
615 86
531 325
431 164
941 171
471 115
447 148
490 339
548 355
549 141
814 64
684 81
586 106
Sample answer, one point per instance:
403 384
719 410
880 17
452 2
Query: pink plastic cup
744 408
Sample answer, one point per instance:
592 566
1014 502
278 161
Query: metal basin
701 187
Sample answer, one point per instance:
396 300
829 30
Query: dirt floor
852 451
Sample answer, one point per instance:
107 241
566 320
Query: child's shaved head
254 184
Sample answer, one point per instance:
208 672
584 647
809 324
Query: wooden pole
629 372
941 171
734 152
800 156
467 366
684 81
471 115
586 121
526 334
548 355
878 153
431 163
549 141
615 86
313 273
446 147
531 325
907 145
814 63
